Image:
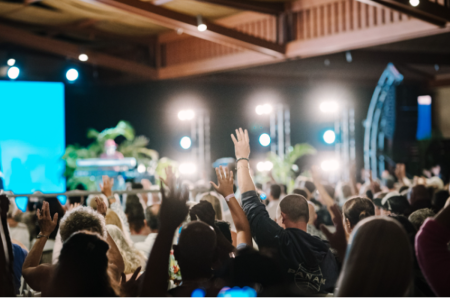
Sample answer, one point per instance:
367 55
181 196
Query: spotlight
414 2
187 168
83 57
185 142
263 109
186 115
329 165
329 107
13 72
200 25
141 168
11 62
72 74
329 137
264 140
264 166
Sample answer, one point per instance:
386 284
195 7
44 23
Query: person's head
418 217
275 192
377 198
112 218
224 227
346 191
329 189
393 203
354 210
283 189
389 183
82 219
215 202
379 260
439 199
419 197
110 147
82 268
309 185
294 211
135 215
303 192
132 258
152 217
195 250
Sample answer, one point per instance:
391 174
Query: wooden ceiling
158 39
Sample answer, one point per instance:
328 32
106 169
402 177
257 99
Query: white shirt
272 208
21 234
147 245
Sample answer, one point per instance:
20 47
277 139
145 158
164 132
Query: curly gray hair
79 219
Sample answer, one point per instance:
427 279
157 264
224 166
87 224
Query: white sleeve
57 248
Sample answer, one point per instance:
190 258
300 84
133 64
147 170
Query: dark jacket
306 260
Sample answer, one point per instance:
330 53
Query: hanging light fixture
200 25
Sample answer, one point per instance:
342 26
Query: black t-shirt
306 260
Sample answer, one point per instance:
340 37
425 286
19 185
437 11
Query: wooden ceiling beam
426 11
273 8
45 44
215 33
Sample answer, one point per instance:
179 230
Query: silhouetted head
354 210
152 217
135 214
82 219
294 209
275 191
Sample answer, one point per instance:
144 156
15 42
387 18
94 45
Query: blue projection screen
32 137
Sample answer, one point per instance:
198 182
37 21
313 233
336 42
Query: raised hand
203 211
101 206
107 186
337 240
241 144
225 181
46 224
130 288
173 209
72 206
170 180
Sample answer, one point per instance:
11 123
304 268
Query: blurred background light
414 2
11 62
141 168
83 57
329 165
265 109
186 115
329 107
13 72
264 166
187 168
264 140
329 137
72 74
185 142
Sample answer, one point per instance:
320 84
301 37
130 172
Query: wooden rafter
262 7
45 44
215 33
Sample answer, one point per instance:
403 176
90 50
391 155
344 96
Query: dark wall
152 109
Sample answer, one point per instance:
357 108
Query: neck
301 225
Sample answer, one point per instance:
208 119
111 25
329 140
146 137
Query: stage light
264 140
11 62
187 168
185 142
186 115
72 74
414 2
265 109
424 100
13 72
329 165
264 166
141 168
329 107
83 57
200 25
329 137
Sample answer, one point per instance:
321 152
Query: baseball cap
394 202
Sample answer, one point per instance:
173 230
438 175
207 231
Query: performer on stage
110 150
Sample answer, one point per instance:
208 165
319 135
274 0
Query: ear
283 217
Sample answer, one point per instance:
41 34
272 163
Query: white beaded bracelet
227 198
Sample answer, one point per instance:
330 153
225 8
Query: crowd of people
375 238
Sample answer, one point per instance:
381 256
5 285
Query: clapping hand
46 224
241 144
225 181
173 206
337 240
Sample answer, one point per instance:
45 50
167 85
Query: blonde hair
112 218
379 260
132 258
215 202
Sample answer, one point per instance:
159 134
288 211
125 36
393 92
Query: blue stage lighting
264 140
13 72
185 142
72 74
329 137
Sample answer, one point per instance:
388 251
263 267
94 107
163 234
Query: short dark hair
439 199
295 207
275 191
135 215
356 209
300 191
309 185
152 219
224 227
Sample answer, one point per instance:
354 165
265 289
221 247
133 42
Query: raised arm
34 274
242 151
172 213
225 188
